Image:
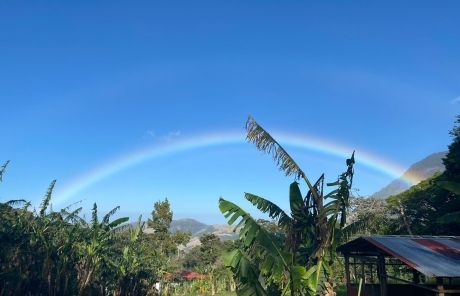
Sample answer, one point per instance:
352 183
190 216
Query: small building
402 265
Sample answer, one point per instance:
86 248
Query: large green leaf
247 273
106 218
305 280
272 209
46 200
118 221
296 202
256 238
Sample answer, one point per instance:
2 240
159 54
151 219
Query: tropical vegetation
49 252
44 251
297 262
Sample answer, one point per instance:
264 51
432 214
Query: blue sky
84 82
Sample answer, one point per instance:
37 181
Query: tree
210 248
162 243
432 206
368 215
300 265
423 206
161 217
452 159
97 248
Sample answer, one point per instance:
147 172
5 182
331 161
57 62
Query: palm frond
137 232
118 222
2 169
71 205
251 231
107 216
246 272
272 209
265 142
46 199
72 216
16 202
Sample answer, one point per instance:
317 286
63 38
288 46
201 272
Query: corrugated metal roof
435 256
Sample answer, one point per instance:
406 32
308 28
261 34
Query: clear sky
83 83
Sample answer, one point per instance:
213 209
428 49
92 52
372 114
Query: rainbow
195 142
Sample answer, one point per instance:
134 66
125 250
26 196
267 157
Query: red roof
191 275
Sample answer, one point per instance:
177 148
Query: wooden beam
347 273
355 272
415 276
440 286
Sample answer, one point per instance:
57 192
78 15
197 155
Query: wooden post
355 272
371 267
416 276
440 286
347 273
382 275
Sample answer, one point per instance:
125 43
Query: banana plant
299 265
97 248
130 266
47 252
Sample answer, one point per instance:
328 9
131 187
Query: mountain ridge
420 171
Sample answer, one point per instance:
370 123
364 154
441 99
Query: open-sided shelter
402 265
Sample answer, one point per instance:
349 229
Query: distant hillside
223 231
195 227
422 170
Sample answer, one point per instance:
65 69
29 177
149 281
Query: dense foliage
48 252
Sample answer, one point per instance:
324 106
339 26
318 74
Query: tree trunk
403 217
232 285
328 288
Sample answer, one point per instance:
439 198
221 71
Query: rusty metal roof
434 256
